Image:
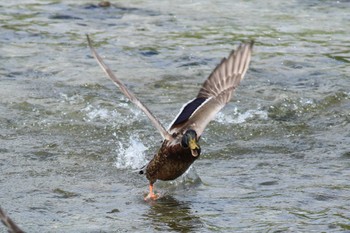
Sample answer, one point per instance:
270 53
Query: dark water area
276 159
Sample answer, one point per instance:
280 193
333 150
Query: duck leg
151 195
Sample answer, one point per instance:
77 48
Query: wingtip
251 43
9 223
88 40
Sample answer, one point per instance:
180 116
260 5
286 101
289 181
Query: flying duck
180 146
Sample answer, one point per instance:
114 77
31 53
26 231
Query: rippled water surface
276 159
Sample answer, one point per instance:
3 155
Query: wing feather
128 93
186 112
218 88
9 223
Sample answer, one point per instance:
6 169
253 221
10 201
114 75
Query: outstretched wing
215 92
127 93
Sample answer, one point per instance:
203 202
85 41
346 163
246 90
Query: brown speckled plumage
169 163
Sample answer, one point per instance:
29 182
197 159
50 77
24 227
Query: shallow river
276 159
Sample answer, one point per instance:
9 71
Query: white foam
93 113
131 154
73 99
114 117
238 118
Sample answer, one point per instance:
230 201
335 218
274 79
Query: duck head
190 140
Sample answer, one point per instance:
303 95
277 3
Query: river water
276 159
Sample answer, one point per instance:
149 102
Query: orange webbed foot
151 195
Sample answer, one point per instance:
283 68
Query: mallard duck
180 147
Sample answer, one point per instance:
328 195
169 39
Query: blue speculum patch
188 110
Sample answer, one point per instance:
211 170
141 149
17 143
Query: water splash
238 118
123 114
189 179
93 113
71 99
131 154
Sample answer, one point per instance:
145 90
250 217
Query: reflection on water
168 213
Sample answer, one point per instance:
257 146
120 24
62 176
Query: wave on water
114 116
71 99
131 154
93 113
237 118
188 179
